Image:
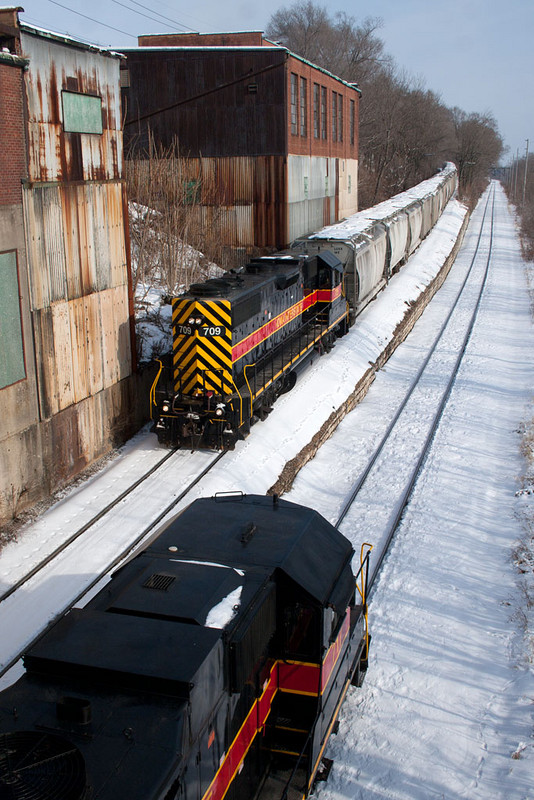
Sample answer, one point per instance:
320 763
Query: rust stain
54 92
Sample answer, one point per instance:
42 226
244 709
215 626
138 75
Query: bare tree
171 246
406 133
519 175
479 147
341 45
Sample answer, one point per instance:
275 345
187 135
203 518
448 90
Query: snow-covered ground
447 710
447 707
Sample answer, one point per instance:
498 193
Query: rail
124 553
371 575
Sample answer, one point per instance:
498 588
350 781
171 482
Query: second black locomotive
212 665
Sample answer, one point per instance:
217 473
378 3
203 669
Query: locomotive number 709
187 330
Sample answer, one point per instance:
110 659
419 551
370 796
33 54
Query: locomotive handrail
248 385
153 387
364 560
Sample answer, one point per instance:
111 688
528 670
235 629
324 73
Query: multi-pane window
334 116
323 112
294 104
316 110
340 118
351 121
303 108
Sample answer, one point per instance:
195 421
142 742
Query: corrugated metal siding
57 155
82 346
270 202
312 193
75 240
242 200
348 187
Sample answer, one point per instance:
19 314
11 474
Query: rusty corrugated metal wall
74 208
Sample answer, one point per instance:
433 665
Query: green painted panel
12 367
82 113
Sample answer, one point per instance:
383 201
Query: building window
334 116
351 121
340 118
82 113
323 112
303 108
294 103
316 110
12 367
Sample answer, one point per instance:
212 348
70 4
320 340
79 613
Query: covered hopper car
239 340
212 665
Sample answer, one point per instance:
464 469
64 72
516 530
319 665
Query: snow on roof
62 38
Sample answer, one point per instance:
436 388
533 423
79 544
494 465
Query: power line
174 22
141 14
67 8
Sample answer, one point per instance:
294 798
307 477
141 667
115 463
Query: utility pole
525 178
516 163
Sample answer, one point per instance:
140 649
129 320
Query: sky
475 54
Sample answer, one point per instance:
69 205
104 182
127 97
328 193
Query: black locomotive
213 664
238 341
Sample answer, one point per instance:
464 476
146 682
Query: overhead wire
147 8
92 19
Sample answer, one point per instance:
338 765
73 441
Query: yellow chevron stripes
202 346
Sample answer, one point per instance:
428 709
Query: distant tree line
406 133
518 180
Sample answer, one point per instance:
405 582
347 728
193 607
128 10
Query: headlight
191 321
165 406
198 321
219 412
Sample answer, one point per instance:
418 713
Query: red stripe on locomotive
295 677
257 337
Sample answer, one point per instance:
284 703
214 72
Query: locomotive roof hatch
286 536
128 652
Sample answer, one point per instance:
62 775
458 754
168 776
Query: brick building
277 135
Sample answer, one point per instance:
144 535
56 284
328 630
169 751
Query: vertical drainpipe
131 311
285 220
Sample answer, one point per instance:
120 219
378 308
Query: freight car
373 244
213 664
239 340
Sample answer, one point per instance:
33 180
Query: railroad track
93 531
88 576
450 342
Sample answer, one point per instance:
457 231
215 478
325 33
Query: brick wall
237 39
12 133
344 146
